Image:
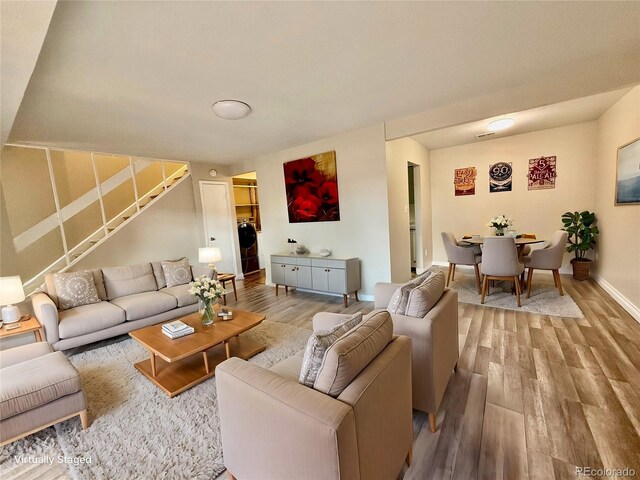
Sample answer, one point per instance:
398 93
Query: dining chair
459 255
526 250
500 262
547 258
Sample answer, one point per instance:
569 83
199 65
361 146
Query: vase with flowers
209 292
500 224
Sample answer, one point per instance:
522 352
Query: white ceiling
140 77
556 115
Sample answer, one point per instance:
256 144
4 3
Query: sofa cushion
318 344
425 296
349 355
159 274
289 368
50 286
22 353
182 295
89 318
36 382
129 280
177 272
75 289
146 304
398 303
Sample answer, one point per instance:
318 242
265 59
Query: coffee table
177 365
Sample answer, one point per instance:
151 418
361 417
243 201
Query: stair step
126 218
76 255
111 229
93 242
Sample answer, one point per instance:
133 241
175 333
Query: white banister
99 191
135 187
52 177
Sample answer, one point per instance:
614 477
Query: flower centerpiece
209 292
500 224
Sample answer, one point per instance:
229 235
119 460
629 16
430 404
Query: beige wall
363 229
399 153
165 230
538 211
618 255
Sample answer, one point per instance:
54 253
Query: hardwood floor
534 396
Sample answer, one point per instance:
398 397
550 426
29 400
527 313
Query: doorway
218 223
247 219
415 218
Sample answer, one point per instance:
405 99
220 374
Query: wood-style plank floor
534 397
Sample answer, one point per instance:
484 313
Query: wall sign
542 173
464 181
312 189
500 177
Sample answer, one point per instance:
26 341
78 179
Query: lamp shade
11 290
209 255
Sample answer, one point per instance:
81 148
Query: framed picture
628 174
312 189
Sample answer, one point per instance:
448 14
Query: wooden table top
202 339
29 325
519 241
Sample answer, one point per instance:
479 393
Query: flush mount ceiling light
500 124
231 109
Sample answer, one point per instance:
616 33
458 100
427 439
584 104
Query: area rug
136 430
544 300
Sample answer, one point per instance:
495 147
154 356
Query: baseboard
618 297
362 296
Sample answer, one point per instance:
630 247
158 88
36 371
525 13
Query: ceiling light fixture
231 109
501 124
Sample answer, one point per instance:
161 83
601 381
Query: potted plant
583 234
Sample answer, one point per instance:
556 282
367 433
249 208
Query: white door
219 223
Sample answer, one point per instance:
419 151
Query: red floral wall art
312 189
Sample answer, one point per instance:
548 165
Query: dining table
519 241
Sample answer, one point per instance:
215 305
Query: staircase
150 179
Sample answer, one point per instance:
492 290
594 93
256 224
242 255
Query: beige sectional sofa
131 297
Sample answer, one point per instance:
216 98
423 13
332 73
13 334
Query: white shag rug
136 430
544 299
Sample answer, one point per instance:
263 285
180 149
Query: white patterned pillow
317 346
75 289
177 273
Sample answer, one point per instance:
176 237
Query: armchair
547 258
274 427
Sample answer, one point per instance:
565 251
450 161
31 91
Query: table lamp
11 292
210 255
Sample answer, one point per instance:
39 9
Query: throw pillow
351 353
177 273
75 289
317 346
425 296
398 303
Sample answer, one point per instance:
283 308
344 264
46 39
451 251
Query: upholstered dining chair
458 255
500 262
547 258
526 249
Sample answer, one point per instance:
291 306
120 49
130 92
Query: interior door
218 224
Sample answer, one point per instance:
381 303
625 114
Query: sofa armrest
265 418
328 320
383 293
47 314
434 349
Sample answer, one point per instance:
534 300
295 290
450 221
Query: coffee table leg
206 362
153 363
227 348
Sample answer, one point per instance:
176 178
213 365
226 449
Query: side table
225 277
31 324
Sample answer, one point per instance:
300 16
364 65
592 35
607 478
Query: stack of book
177 329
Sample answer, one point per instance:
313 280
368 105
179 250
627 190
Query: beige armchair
459 255
500 262
274 427
547 258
